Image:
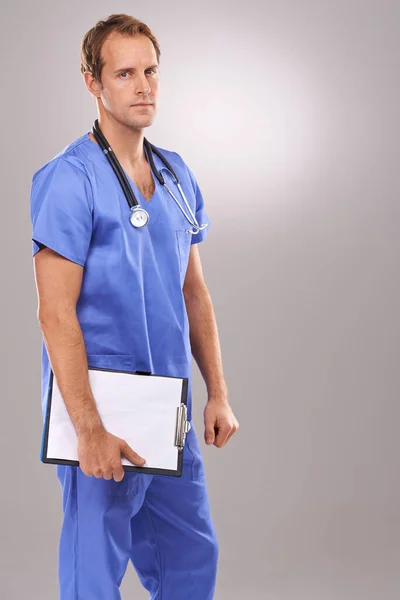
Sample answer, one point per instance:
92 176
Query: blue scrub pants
161 523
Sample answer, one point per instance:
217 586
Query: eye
147 70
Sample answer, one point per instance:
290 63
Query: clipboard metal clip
182 426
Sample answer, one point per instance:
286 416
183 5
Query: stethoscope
139 216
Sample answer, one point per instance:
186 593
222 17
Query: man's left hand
219 421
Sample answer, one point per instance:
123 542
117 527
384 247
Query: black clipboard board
182 425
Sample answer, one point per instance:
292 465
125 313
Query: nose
143 86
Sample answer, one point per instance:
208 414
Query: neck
126 142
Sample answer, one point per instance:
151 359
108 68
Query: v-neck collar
157 185
155 180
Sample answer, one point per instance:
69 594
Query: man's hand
219 415
100 452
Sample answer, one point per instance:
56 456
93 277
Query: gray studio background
287 112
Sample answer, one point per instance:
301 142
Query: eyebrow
133 69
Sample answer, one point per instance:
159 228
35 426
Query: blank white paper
141 409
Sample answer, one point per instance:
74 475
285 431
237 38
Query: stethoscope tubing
126 187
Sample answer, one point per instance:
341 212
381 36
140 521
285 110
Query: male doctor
111 295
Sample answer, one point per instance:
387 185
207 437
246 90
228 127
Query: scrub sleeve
61 210
200 213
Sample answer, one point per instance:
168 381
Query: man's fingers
225 428
209 434
222 436
119 473
131 455
234 429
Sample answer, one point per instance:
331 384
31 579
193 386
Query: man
114 296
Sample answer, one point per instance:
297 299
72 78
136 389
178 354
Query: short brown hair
94 39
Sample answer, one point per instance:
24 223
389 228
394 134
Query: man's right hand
99 454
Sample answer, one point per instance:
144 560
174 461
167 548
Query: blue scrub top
131 307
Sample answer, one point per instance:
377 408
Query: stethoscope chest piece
138 217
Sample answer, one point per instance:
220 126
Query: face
130 75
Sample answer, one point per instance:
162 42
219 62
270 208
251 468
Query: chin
144 123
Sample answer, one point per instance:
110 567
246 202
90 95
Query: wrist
218 394
89 428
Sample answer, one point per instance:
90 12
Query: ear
92 84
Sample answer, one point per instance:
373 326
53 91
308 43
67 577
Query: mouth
143 104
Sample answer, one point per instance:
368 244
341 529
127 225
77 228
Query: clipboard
148 411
